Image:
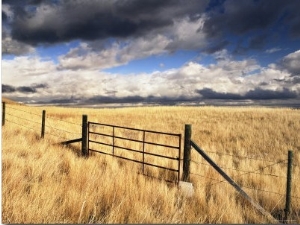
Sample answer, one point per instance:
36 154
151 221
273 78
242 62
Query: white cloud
291 62
24 69
83 57
226 76
187 34
272 50
8 11
14 47
184 34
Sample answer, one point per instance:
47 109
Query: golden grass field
44 182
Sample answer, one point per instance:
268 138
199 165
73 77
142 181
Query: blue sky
87 52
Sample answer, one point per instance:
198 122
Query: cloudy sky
151 51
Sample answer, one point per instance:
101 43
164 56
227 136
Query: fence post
3 113
43 123
288 185
84 142
143 152
187 152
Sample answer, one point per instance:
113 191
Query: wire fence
33 121
214 181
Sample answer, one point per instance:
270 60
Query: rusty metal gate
146 147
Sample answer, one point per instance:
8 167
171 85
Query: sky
171 52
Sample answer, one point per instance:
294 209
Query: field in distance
44 182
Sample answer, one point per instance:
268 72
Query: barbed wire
41 115
21 125
250 172
50 117
247 187
196 174
61 129
55 135
245 171
257 189
57 132
39 123
23 118
240 156
23 111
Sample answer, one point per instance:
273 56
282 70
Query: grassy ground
43 182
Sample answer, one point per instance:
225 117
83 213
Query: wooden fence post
187 153
84 143
288 185
43 123
3 113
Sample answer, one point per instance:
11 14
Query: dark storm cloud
242 16
59 21
215 47
256 94
8 89
23 89
296 80
258 42
260 94
247 17
4 17
165 100
53 21
208 93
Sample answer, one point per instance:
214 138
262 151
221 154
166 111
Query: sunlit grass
43 182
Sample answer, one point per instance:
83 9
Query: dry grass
47 183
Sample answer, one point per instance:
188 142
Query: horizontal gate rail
129 128
106 135
168 146
137 161
139 141
133 150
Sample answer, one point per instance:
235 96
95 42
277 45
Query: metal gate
146 147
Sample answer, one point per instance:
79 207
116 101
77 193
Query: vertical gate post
143 152
187 153
84 143
113 141
43 123
3 113
288 185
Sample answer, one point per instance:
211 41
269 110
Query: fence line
20 125
23 111
263 174
223 182
50 117
22 118
42 122
31 128
252 171
240 156
230 181
62 130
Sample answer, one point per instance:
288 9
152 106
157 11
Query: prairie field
45 182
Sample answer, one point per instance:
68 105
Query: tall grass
43 182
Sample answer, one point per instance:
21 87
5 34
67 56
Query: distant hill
7 100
